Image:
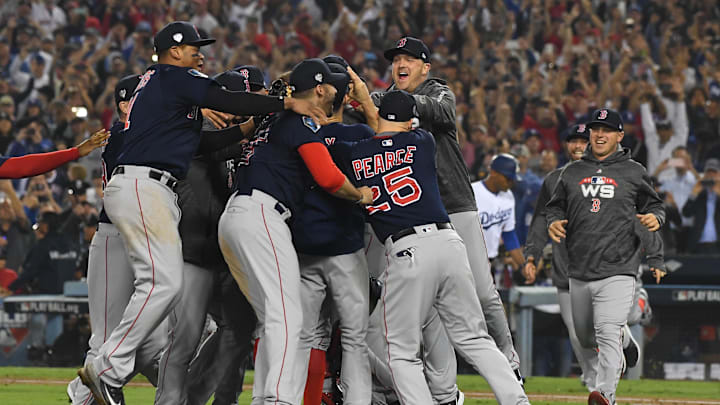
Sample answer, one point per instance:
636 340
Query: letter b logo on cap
603 114
402 42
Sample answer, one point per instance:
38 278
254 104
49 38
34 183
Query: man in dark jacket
704 207
598 198
436 109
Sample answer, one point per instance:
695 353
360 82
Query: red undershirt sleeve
36 163
321 166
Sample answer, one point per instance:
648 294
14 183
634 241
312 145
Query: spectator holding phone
704 207
678 178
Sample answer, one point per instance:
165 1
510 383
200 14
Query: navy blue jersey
400 169
326 225
109 159
271 163
164 121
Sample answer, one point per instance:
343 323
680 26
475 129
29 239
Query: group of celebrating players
342 217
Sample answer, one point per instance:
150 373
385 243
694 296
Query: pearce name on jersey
380 163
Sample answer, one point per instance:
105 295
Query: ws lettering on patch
597 187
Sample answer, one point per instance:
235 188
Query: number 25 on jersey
402 189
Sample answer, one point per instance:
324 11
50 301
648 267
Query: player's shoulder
173 72
347 132
507 197
116 128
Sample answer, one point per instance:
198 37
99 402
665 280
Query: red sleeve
321 166
36 163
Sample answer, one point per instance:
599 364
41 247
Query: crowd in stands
523 71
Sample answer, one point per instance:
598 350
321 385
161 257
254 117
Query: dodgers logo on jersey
308 122
595 186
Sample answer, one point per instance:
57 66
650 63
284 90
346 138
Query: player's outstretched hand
529 272
217 118
359 91
96 140
658 274
649 221
367 195
557 230
306 107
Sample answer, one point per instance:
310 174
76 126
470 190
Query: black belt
153 174
411 231
282 210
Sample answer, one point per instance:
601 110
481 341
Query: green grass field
40 386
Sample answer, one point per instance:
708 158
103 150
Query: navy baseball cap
398 106
313 72
125 88
578 131
232 80
606 117
337 60
506 165
254 76
179 33
411 46
342 87
530 132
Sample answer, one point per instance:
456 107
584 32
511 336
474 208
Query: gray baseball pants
344 280
430 269
110 286
257 245
186 320
587 358
146 213
600 311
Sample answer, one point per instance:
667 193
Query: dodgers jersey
400 169
271 163
497 215
163 126
326 225
109 159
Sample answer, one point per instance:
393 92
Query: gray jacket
538 236
436 106
600 200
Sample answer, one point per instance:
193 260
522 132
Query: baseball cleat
460 398
596 398
632 352
104 394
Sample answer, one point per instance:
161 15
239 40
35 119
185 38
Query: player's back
327 225
271 163
164 121
110 154
400 169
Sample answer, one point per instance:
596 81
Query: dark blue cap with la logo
606 117
411 46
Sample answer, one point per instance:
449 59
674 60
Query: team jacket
436 107
600 200
538 236
50 263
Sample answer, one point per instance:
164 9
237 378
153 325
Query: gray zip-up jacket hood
600 200
436 107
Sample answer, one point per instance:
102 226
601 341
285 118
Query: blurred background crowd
523 71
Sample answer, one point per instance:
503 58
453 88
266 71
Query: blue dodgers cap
506 165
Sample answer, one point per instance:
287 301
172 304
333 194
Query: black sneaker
104 394
520 378
632 352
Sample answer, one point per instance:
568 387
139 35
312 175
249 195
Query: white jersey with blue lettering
497 215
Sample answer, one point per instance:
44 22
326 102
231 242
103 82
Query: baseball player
276 169
496 206
110 274
597 199
162 133
328 236
576 141
426 261
201 198
436 108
